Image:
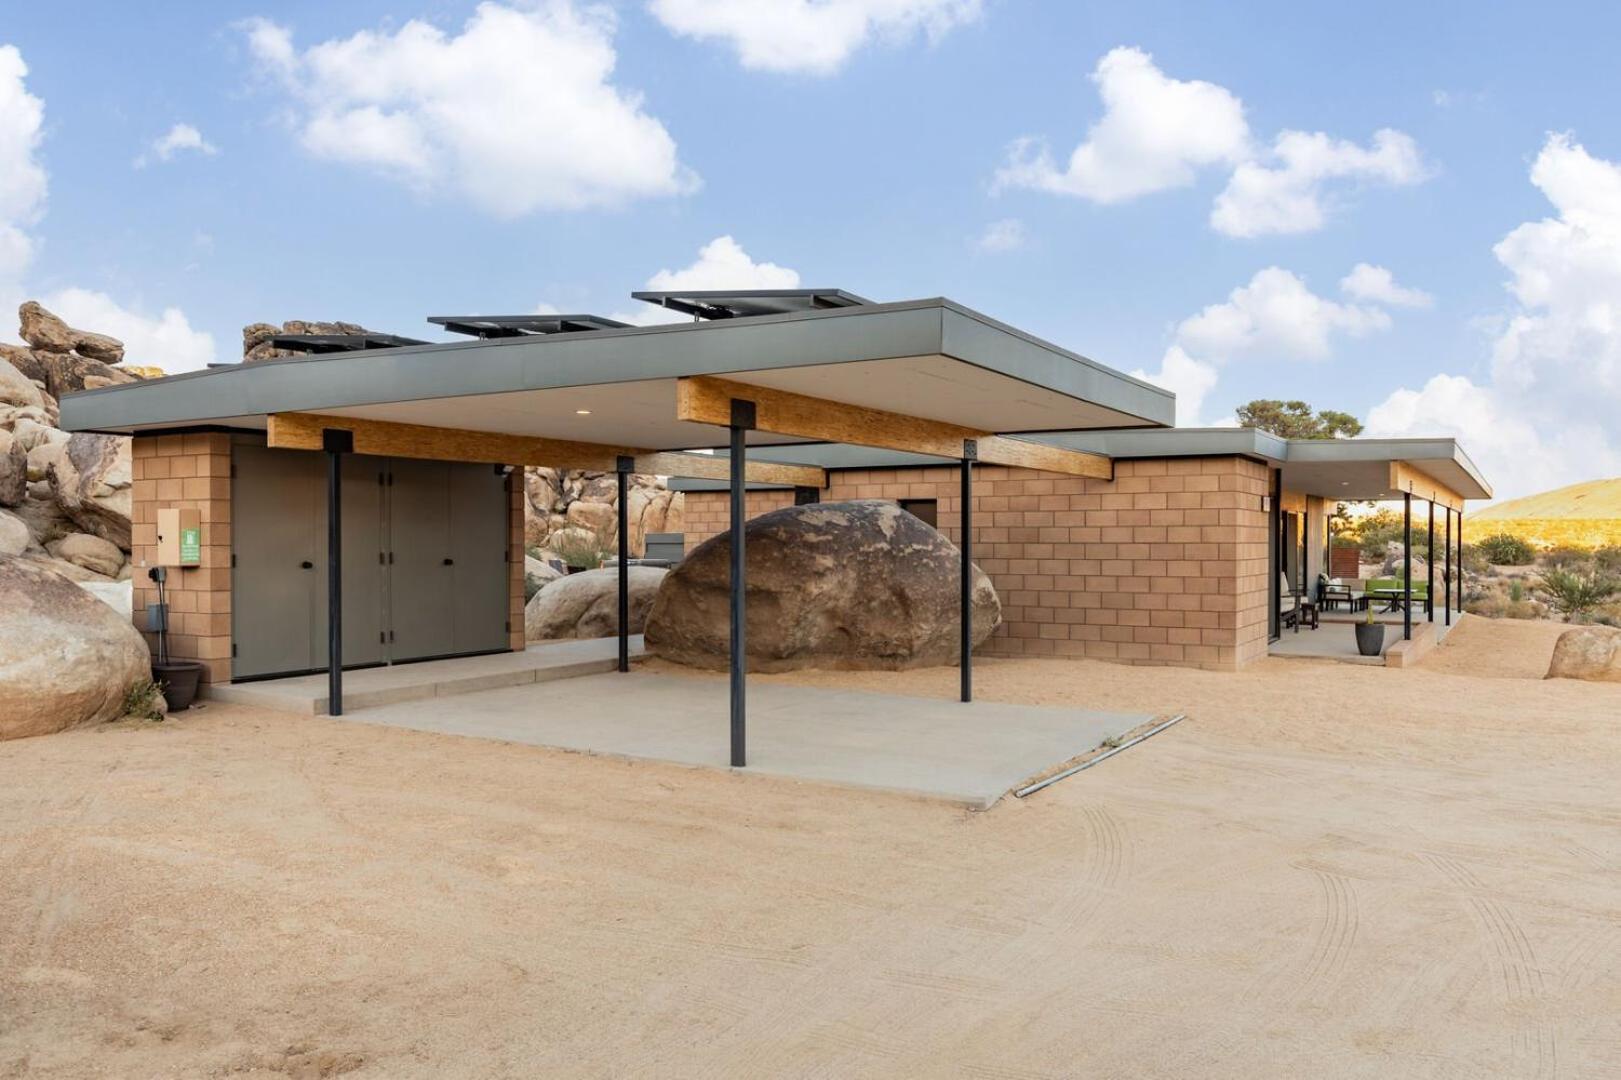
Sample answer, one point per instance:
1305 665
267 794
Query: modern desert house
370 483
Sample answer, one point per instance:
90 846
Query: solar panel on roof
498 326
728 304
331 343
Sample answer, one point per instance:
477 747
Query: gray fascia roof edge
418 372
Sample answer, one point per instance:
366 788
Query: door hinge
508 626
391 637
233 559
233 650
382 638
233 470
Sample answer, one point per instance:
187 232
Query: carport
754 370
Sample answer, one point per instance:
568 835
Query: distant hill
1586 514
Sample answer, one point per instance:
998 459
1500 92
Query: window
925 510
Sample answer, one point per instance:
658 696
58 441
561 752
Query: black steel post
1429 570
742 422
965 547
1460 560
336 443
623 467
1448 575
1407 565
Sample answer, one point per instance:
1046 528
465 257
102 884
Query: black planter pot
179 680
1370 638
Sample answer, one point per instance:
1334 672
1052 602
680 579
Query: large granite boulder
64 372
586 605
14 534
48 333
91 482
66 658
537 574
91 553
1588 652
852 585
16 386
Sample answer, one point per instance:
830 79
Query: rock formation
586 605
66 658
848 585
589 501
70 494
1587 652
256 337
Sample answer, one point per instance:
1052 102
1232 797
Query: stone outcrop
847 585
14 535
556 500
48 333
91 481
256 337
66 658
60 373
90 553
586 605
1592 653
13 469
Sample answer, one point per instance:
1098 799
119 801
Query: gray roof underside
1333 468
771 346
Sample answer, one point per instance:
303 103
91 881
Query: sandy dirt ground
1328 870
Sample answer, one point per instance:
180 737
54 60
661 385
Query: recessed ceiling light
582 412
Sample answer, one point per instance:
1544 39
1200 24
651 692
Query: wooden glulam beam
1421 485
384 438
705 399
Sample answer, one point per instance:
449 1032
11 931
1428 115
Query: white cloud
179 138
812 37
22 177
1276 314
1155 134
167 340
1158 133
1546 416
1375 284
721 264
1009 234
1189 379
1284 192
516 113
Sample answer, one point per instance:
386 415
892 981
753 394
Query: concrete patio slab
370 687
968 754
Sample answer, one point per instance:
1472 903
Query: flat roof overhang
926 358
1352 469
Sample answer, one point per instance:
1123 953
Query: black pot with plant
178 679
1370 635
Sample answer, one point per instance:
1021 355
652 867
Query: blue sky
859 144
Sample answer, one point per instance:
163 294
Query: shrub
1607 559
1577 594
1506 550
1567 557
583 548
144 701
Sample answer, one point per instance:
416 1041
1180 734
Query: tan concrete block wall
706 513
186 472
1166 564
515 554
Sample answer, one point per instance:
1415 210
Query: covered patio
926 377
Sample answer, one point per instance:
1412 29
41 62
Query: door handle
450 562
306 565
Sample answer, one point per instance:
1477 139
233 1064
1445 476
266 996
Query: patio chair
1288 604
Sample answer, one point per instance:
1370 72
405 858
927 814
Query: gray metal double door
424 561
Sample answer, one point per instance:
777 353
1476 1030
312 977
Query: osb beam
1421 485
707 400
383 438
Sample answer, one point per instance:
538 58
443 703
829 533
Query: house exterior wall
1166 564
185 472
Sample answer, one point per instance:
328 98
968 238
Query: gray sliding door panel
364 576
276 544
421 578
478 546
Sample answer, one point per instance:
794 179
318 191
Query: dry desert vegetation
1326 871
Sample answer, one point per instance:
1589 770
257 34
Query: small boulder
594 517
13 470
90 552
586 605
1587 652
537 574
66 658
851 585
14 535
16 388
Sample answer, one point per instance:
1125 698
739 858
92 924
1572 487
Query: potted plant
177 679
1370 635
